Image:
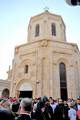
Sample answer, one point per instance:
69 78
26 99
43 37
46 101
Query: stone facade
42 55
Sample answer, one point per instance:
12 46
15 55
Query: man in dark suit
25 109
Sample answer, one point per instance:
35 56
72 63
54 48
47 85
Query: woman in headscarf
44 110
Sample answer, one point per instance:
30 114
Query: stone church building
47 64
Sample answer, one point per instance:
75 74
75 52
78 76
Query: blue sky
14 19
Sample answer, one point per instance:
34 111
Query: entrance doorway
24 94
25 90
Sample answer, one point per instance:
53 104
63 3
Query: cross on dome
46 9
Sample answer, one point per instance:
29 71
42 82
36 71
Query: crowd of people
42 108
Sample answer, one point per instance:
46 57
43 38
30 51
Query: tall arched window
37 30
63 81
53 29
26 68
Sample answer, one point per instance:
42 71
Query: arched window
63 81
37 30
26 68
53 29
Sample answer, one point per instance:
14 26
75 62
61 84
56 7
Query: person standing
72 112
44 111
25 109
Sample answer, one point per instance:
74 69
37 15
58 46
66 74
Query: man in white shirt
72 112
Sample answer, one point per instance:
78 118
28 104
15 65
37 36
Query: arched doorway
63 81
25 90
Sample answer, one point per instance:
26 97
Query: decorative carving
44 43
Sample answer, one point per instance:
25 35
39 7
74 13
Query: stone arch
24 87
25 61
65 61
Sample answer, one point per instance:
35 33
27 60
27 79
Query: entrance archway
25 90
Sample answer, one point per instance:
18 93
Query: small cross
46 9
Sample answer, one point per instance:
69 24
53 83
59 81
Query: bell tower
46 26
